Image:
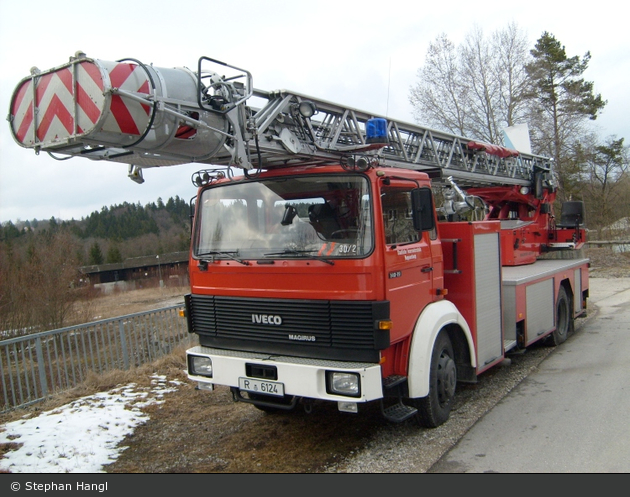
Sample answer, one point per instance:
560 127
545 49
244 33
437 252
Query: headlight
200 366
347 384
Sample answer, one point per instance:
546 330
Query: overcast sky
361 54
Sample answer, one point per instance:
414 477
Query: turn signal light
385 324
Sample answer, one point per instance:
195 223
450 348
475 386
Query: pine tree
113 254
96 255
563 101
9 231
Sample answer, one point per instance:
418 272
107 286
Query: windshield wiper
228 253
301 253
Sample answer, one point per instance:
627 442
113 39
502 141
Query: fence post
123 343
41 366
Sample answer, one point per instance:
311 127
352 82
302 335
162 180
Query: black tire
564 319
435 408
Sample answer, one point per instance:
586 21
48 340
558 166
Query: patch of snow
84 435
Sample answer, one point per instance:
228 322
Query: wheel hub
446 379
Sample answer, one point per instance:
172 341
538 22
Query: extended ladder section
336 131
144 116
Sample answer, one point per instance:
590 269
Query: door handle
427 269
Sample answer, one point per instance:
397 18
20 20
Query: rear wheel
563 319
435 408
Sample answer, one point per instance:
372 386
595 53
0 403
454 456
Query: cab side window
397 216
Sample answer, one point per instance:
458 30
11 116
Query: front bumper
301 377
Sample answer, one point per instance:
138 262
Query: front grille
310 328
237 319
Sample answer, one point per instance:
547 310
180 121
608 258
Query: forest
40 260
115 233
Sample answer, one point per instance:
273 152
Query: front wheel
435 408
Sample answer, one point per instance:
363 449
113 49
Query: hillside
114 233
51 253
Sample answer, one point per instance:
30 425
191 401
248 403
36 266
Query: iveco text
266 319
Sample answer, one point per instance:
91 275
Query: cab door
408 260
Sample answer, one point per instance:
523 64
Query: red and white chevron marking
55 98
127 116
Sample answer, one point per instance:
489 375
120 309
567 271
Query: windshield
314 216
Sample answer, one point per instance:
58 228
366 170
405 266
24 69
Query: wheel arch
569 287
436 317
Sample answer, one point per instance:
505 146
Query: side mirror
289 214
422 209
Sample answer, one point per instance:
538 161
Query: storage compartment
472 275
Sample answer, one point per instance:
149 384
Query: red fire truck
336 255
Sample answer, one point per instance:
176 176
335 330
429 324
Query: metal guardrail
615 245
34 367
608 242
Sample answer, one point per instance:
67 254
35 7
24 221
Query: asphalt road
573 414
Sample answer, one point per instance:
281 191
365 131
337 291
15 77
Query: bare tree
477 60
476 89
38 288
439 98
14 314
605 182
52 269
510 47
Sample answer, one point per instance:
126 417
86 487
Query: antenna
389 79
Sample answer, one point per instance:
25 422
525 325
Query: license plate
260 386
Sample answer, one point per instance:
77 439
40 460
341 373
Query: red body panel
460 274
307 279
